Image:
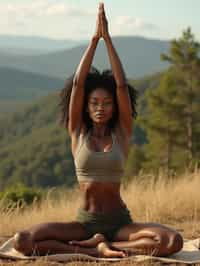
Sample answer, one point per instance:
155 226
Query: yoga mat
189 254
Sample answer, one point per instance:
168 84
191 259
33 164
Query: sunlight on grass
172 202
163 202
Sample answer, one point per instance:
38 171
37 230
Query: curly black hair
94 80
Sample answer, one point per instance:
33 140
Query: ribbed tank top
99 166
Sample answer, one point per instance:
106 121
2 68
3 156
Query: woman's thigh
61 231
138 230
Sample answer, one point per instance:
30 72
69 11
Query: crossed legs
136 238
51 238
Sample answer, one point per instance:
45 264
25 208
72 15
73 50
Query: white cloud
45 17
127 25
42 8
63 9
52 18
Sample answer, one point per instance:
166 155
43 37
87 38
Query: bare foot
91 242
23 242
105 251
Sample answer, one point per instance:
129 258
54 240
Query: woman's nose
100 106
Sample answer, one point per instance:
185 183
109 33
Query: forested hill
34 149
20 85
140 57
33 146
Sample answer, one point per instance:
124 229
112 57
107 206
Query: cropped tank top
98 165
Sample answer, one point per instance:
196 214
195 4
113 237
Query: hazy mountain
18 88
139 56
20 51
34 44
20 85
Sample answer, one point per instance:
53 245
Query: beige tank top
99 166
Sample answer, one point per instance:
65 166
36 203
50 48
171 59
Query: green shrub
18 195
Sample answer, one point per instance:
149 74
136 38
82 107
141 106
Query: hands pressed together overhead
102 23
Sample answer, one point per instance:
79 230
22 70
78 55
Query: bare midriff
101 197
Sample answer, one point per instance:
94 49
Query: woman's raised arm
77 95
124 104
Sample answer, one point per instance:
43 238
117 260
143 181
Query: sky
76 19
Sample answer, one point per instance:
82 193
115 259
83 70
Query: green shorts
107 224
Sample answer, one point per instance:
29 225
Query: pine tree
173 121
184 57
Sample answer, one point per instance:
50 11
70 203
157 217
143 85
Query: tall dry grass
164 201
174 202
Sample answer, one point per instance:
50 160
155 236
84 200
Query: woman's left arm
124 104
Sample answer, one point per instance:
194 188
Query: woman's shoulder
77 138
122 138
121 132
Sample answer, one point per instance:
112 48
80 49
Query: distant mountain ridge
34 43
139 56
18 88
20 85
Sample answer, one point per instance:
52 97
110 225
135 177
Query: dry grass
42 262
173 203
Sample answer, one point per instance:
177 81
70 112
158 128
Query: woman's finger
103 13
103 17
101 22
101 4
102 7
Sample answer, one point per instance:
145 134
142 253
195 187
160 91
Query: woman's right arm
77 95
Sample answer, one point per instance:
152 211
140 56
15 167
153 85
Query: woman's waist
112 216
101 198
100 207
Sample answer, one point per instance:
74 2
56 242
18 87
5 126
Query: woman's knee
175 243
167 244
170 244
23 242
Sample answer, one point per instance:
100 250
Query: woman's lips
99 115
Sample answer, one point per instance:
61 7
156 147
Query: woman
98 110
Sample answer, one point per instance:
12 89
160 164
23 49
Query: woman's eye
103 104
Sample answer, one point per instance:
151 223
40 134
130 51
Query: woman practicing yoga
97 109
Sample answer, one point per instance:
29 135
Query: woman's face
100 106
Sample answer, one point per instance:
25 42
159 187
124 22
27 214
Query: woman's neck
100 130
